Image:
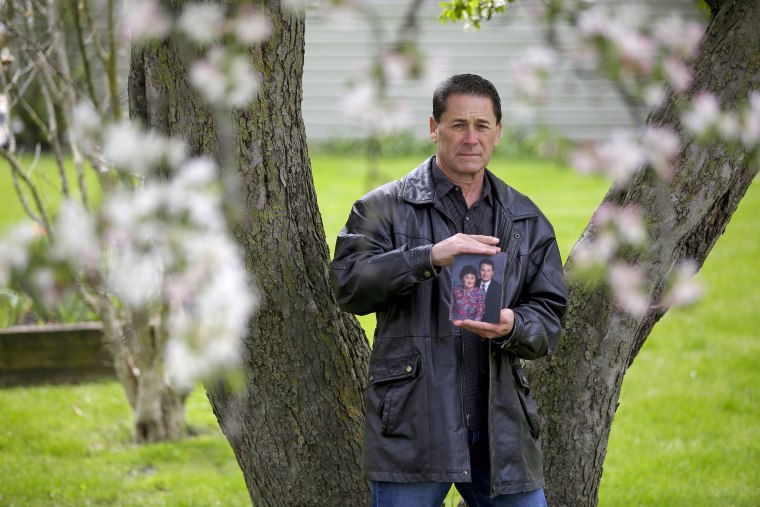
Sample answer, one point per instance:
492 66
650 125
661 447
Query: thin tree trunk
578 387
296 425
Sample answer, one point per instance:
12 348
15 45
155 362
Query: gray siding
336 52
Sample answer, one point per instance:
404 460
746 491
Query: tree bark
296 425
578 387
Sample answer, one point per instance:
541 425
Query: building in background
338 50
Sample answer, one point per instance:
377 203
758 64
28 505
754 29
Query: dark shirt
478 219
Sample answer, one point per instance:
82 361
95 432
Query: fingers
487 329
443 253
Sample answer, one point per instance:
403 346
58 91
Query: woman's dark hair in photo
468 270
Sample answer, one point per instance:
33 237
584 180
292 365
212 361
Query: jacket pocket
391 383
527 402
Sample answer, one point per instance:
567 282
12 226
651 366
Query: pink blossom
662 146
750 134
678 74
531 72
704 114
684 289
679 36
627 283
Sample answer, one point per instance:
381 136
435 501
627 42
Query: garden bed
53 354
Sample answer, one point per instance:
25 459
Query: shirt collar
443 185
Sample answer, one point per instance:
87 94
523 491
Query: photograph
476 287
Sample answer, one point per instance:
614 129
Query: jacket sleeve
541 306
369 269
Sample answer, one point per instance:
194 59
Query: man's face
486 272
465 136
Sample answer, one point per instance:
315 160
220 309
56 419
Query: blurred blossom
678 35
202 22
662 145
297 6
252 28
678 74
4 119
396 66
684 290
129 148
619 158
437 68
654 95
627 283
636 51
86 126
13 251
750 135
703 115
728 127
135 277
224 79
144 20
531 72
243 82
43 281
76 240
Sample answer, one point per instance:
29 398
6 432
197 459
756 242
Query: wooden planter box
53 354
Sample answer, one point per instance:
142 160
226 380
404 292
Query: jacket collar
418 187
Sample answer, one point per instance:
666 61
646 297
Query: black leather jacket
415 430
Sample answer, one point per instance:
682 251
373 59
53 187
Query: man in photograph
492 289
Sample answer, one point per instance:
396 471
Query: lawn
686 431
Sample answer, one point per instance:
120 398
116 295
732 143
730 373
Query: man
492 289
448 402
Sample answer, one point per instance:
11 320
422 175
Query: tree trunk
296 426
578 387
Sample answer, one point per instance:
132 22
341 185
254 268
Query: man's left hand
488 330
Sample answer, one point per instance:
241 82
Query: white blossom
202 22
76 238
252 28
13 251
224 79
144 19
131 149
243 82
703 115
86 126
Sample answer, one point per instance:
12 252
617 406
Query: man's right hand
443 252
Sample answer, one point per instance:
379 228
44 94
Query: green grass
72 446
687 431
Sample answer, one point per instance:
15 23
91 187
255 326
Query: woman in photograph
467 301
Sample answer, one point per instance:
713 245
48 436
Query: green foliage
471 11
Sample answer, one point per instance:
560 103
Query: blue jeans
475 493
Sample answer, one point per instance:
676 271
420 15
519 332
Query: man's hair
465 84
486 261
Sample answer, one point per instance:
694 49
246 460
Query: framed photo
476 287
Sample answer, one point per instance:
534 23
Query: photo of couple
475 289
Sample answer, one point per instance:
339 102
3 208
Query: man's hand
443 252
488 330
